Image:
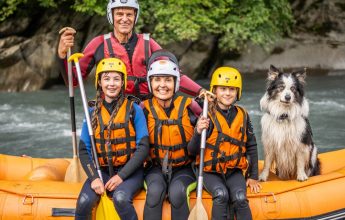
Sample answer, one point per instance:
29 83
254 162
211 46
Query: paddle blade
106 209
198 212
75 172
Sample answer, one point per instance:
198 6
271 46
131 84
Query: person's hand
254 185
113 183
202 124
66 41
97 186
205 93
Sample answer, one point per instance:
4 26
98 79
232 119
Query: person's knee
177 194
155 193
85 204
221 195
120 199
240 200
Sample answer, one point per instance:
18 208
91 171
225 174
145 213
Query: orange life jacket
169 135
122 136
225 148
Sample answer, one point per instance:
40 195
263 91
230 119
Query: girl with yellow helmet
121 144
170 121
231 147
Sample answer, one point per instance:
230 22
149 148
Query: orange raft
33 188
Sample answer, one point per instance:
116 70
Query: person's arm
154 45
194 144
142 143
188 86
93 53
252 151
85 153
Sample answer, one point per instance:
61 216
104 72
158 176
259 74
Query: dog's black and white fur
286 132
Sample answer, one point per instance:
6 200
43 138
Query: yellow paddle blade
198 212
106 209
75 172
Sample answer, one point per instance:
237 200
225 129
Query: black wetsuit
131 173
232 185
181 181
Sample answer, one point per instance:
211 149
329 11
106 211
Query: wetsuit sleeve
195 142
142 144
93 52
252 151
188 86
85 154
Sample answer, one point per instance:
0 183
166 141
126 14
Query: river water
38 123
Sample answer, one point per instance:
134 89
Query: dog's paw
263 177
302 177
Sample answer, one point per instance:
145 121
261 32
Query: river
38 123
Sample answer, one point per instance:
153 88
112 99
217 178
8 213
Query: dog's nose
287 97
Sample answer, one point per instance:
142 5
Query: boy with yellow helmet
121 144
230 144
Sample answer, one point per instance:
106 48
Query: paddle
74 172
105 209
198 212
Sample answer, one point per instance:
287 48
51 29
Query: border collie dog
286 132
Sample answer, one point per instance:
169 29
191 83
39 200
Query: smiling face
226 96
111 84
124 19
163 87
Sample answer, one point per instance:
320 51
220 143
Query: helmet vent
235 77
219 76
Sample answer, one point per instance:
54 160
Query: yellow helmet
227 76
111 65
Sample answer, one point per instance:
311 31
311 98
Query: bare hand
113 183
97 186
254 185
66 41
204 93
202 124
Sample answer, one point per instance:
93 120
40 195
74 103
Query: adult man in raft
123 43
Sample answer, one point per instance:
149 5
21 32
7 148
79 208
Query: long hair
98 105
99 102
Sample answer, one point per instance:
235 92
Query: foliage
234 22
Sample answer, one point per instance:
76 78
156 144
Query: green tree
234 22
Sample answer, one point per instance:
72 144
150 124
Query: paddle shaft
202 150
87 116
72 106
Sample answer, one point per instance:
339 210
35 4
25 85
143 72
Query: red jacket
97 49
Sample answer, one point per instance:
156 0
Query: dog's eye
281 87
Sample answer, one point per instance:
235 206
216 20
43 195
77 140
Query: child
230 144
171 125
121 144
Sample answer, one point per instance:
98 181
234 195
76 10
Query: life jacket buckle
222 157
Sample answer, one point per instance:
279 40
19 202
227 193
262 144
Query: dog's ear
301 75
273 73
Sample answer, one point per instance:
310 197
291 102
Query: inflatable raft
34 188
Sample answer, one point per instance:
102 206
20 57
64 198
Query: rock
313 53
14 26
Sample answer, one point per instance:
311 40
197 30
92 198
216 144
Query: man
133 49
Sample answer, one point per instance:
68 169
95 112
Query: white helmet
119 4
165 67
